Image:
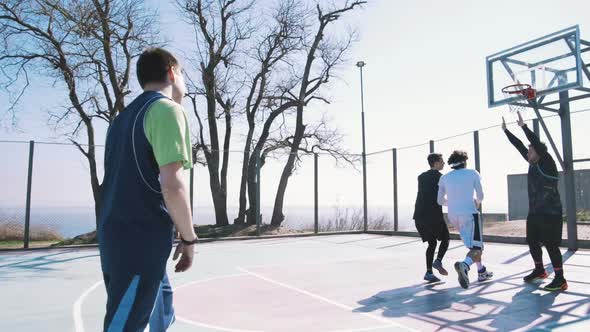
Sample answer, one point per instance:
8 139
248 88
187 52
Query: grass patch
20 244
350 219
203 232
14 231
581 215
88 238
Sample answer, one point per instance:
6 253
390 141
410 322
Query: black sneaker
558 284
430 277
536 274
438 265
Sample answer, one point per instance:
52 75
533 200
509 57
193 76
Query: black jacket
543 176
427 209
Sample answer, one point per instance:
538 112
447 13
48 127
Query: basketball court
347 283
324 283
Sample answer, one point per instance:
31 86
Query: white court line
209 279
324 299
77 310
78 322
365 329
199 324
342 260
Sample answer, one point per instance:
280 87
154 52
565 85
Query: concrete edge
204 240
582 244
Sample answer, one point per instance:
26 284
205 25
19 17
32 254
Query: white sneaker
463 273
485 275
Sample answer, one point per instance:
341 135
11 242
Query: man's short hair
433 158
458 159
542 147
153 65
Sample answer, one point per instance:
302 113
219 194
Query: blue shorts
134 301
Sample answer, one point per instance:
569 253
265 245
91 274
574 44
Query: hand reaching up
520 120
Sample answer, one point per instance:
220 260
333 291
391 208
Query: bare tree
281 53
319 138
86 47
314 76
279 40
220 28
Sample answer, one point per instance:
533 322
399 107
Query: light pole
361 64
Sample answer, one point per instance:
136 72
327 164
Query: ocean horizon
71 221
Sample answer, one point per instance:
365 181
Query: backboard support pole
549 137
568 171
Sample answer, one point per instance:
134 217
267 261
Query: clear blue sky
424 79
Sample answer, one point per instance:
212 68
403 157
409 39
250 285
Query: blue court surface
324 283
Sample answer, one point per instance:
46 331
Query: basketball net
521 95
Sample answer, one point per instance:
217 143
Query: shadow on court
481 307
44 262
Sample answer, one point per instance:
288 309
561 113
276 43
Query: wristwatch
189 243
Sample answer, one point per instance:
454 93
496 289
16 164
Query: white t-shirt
456 190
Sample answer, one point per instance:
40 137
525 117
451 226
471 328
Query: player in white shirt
461 191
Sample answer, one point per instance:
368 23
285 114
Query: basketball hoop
521 93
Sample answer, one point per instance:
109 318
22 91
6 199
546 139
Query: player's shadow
487 304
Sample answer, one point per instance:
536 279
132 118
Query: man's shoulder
166 105
165 111
429 174
460 173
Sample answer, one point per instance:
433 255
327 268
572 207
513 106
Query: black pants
552 250
442 249
543 229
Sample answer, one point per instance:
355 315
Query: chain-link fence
46 194
47 197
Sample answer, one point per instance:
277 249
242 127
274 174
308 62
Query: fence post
258 218
431 146
365 200
476 148
316 194
395 208
477 161
29 187
192 187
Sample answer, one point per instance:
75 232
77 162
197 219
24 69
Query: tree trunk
277 214
251 213
225 163
94 182
251 179
220 205
217 192
244 179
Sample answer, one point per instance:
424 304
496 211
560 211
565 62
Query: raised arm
522 149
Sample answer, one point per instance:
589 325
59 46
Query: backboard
549 64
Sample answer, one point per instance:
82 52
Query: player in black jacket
429 217
544 221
